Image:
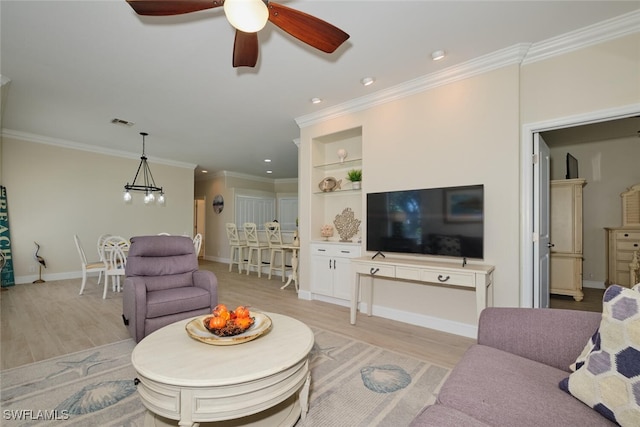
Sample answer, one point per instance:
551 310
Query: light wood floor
40 321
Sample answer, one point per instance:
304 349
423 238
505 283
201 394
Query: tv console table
475 276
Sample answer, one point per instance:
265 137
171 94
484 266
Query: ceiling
76 65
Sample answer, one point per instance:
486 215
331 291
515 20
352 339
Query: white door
199 222
541 215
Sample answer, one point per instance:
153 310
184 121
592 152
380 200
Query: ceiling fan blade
245 49
171 7
306 28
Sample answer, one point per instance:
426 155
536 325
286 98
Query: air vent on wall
122 122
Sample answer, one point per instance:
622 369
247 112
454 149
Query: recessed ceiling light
204 171
316 100
367 81
269 171
267 160
437 55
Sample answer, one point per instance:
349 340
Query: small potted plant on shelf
355 176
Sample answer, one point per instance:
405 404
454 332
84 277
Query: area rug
352 384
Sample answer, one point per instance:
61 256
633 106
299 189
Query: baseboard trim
20 280
436 323
431 322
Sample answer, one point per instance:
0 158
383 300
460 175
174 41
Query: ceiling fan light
249 16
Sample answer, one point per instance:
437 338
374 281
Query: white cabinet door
321 275
342 278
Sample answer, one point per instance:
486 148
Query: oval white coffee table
260 382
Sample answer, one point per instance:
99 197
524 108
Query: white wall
55 192
598 77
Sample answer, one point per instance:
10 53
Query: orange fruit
244 322
242 311
217 322
220 308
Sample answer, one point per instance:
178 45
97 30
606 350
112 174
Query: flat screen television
572 167
432 221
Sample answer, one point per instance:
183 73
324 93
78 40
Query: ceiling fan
249 17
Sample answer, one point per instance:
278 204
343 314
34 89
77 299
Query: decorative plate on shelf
329 184
196 330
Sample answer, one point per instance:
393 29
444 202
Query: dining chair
254 246
197 243
112 241
237 247
87 267
109 246
100 245
116 262
274 239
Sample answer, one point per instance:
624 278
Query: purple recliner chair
163 284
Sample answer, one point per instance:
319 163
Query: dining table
293 277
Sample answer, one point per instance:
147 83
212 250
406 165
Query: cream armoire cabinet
565 276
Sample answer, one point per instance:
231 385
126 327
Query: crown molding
601 32
39 139
230 174
522 53
498 59
239 175
286 180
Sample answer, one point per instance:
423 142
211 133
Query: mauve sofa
510 377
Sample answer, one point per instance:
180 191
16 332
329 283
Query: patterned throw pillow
608 379
592 345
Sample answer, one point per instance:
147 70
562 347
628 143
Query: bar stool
274 238
255 247
237 247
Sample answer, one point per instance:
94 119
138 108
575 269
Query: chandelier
148 185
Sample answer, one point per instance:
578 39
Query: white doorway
530 285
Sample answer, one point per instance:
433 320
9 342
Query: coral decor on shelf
346 224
